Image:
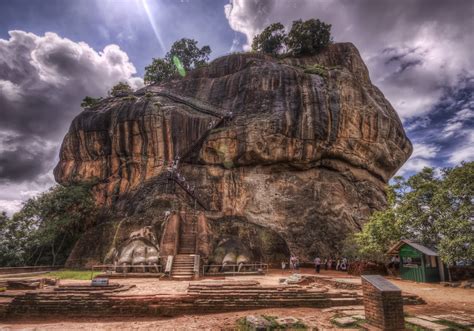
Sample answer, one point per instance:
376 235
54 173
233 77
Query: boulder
299 157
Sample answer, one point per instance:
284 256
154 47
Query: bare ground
440 300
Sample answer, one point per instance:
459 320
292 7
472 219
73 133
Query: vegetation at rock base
183 56
44 231
304 38
121 88
434 211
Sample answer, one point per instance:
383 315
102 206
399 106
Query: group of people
328 264
338 264
172 169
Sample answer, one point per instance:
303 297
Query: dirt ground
440 300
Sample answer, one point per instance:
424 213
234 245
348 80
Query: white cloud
465 152
414 50
423 156
42 82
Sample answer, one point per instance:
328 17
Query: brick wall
383 303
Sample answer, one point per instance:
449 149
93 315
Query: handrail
26 269
169 264
256 267
157 267
197 260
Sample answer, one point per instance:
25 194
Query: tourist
317 264
330 264
326 264
338 264
293 262
344 264
283 265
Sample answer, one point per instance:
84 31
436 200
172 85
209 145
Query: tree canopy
46 228
121 88
183 56
436 211
305 38
308 37
270 40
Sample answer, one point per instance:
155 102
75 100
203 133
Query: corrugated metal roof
425 250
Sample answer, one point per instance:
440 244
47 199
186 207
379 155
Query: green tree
46 228
121 88
435 211
89 102
453 205
271 40
159 70
381 231
183 56
308 37
188 53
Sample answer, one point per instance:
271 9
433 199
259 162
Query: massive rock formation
294 152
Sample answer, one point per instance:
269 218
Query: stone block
257 322
344 321
426 324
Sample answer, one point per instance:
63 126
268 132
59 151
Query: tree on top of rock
120 89
270 40
308 37
183 56
159 70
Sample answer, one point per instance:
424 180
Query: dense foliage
122 88
436 211
271 40
44 231
89 102
159 70
308 37
305 38
183 56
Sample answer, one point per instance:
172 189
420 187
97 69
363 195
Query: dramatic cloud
414 49
423 156
42 82
418 52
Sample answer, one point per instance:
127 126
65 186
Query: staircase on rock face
183 262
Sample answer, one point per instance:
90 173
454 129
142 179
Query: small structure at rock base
418 263
383 303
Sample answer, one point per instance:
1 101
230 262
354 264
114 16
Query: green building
418 263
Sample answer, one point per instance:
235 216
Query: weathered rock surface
297 147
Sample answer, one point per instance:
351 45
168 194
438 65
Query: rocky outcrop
300 148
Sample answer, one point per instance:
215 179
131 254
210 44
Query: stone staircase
183 267
183 262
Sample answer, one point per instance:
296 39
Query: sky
55 52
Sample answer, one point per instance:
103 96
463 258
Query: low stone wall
383 303
26 269
210 297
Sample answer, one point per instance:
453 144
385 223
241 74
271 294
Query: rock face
295 152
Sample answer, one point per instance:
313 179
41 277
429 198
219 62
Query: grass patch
316 69
414 327
242 324
3 289
73 274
